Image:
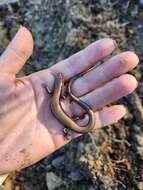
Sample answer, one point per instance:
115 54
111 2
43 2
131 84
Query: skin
29 131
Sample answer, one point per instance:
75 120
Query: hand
29 131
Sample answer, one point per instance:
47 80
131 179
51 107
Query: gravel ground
108 159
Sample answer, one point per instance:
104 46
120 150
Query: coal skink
60 114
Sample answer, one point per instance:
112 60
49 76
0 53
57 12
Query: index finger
77 63
84 59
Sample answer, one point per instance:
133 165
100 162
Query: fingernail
19 29
17 34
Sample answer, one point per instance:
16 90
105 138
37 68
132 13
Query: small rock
141 2
75 176
48 167
58 162
91 188
2 179
1 187
53 181
17 188
140 185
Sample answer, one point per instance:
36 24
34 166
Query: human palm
29 131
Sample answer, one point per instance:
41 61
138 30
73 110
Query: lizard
60 114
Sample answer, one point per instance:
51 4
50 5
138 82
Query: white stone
53 181
2 178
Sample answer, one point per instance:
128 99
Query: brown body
60 114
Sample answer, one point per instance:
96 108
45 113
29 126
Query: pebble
141 2
140 185
75 176
1 187
58 162
53 181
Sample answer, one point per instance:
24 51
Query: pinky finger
107 116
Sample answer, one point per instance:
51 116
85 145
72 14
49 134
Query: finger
17 52
110 115
107 116
112 91
104 73
78 62
85 58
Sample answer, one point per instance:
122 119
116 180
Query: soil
110 158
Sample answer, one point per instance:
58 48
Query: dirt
110 158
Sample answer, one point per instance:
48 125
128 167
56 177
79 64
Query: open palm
29 131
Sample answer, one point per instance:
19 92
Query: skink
60 114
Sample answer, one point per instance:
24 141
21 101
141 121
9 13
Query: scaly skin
60 113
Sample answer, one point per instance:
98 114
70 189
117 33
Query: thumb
17 52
